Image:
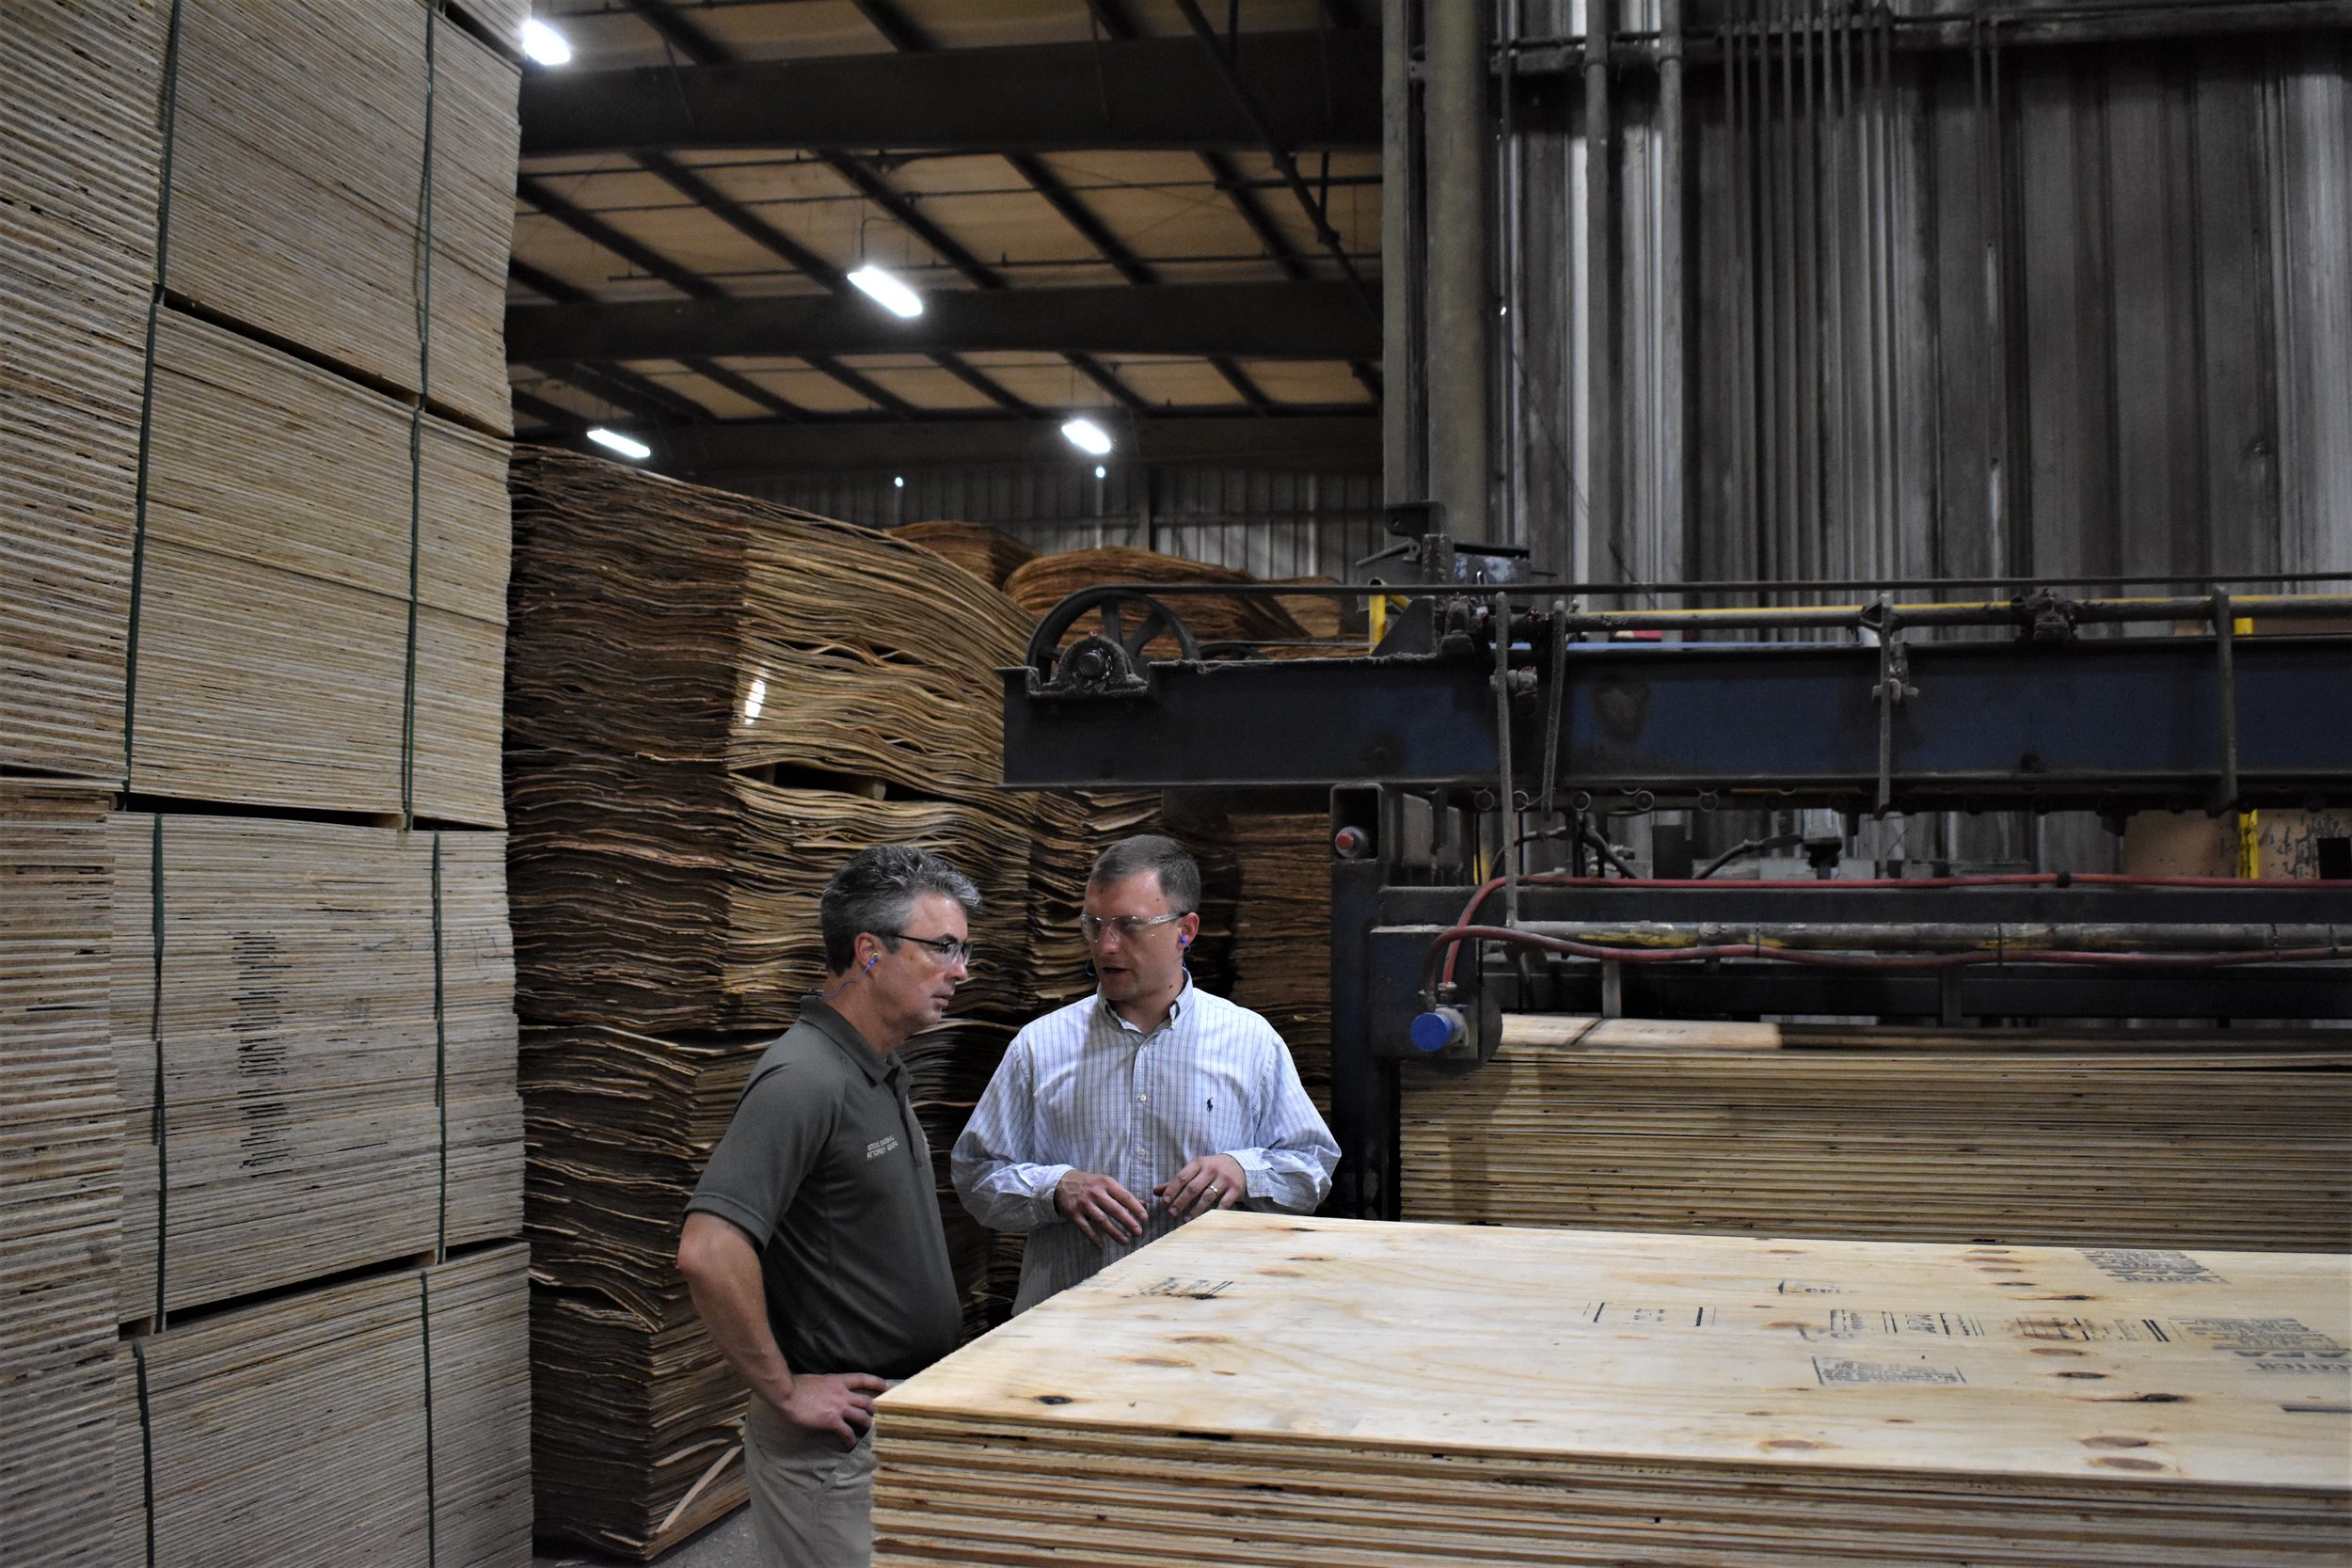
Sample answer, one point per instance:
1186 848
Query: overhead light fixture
1100 472
887 291
899 482
628 446
544 45
1088 438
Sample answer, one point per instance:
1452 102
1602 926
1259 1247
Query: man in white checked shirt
1115 1119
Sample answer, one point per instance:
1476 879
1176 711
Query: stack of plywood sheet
330 1024
1261 1390
274 663
665 897
990 554
321 150
60 1158
2234 1140
638 1417
380 1420
77 266
252 419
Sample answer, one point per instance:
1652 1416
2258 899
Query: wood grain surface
1261 1390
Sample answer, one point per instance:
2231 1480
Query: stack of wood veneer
2238 1140
252 456
715 702
1411 1394
1282 935
988 554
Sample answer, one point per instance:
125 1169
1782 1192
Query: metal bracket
2225 656
2044 616
1892 690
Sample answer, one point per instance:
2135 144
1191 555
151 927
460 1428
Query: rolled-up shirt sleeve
999 1184
1290 1168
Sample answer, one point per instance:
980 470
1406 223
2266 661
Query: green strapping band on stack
416 421
432 1499
440 1052
166 115
155 1037
147 1444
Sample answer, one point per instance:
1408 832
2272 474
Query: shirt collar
816 1010
1175 1009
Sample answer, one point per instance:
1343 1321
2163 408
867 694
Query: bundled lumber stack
60 1168
1425 1393
256 541
988 554
666 896
274 630
384 1419
332 1029
2234 1140
77 264
1044 582
319 147
638 1417
1282 935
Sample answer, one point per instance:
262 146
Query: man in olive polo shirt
812 1244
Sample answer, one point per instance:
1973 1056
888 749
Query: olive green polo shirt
826 1169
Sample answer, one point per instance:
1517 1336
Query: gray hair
1179 876
875 891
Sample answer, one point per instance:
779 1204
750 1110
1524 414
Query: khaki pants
812 1502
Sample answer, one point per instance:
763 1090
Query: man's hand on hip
1208 1181
839 1403
1103 1210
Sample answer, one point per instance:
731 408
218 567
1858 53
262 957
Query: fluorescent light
887 291
1100 472
1088 438
544 44
628 446
756 700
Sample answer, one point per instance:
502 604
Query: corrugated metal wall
1990 309
1269 524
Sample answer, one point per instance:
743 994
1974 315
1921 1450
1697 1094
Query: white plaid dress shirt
1083 1089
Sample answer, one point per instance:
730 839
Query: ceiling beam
1265 321
1121 93
1318 440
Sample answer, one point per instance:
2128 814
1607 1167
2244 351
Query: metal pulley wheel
1132 621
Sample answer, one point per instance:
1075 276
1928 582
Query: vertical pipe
1988 225
1403 465
1673 518
1852 561
1805 301
1508 379
1459 308
1887 402
1768 306
1601 337
1739 514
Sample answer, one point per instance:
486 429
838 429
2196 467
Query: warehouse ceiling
1117 208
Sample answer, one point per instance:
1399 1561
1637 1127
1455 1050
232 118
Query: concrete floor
729 1544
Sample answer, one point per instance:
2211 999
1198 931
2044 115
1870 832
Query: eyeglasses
1091 926
947 950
